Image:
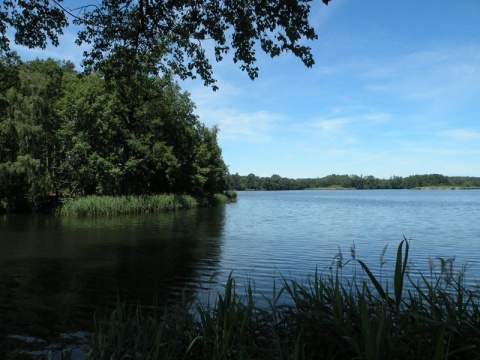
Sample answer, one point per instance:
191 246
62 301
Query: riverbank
122 205
333 187
323 317
446 188
336 187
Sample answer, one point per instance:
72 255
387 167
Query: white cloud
448 72
353 119
331 125
376 117
462 134
243 126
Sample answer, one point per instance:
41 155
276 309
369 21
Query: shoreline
333 188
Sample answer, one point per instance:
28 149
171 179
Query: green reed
327 316
120 205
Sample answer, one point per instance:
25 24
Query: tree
135 135
90 136
210 170
34 22
28 129
167 36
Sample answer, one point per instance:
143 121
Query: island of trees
64 134
276 182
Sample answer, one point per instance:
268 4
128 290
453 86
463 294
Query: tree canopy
62 133
167 36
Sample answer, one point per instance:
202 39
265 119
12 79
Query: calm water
55 272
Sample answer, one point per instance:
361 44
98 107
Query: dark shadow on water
55 273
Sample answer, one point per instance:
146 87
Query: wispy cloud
321 14
331 125
353 118
462 134
243 126
376 117
448 72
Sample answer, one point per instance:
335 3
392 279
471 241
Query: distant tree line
64 134
276 182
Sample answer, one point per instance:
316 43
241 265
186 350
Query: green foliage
3 206
210 169
28 133
34 22
325 317
90 136
62 135
166 37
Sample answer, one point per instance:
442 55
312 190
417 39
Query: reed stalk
323 317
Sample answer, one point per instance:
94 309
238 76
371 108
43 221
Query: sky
395 91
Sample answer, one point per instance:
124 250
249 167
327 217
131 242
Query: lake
56 272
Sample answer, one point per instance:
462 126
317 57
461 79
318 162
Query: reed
231 195
327 316
121 205
219 199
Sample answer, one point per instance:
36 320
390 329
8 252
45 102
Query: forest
359 182
63 134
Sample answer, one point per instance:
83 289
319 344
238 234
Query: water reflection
55 272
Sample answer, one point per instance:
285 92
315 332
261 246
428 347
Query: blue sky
395 91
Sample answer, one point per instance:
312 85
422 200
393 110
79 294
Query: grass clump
328 316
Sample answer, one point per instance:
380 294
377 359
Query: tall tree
210 174
171 36
9 79
90 136
28 132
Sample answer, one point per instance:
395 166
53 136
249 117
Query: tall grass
325 317
119 205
